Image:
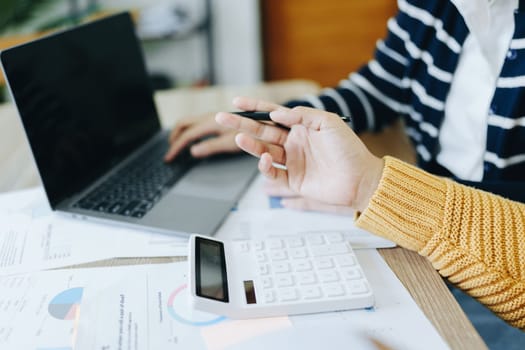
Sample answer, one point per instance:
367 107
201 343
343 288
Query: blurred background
226 42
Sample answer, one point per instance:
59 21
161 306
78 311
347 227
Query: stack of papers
146 306
33 238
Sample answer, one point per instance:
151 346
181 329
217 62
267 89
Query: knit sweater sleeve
474 238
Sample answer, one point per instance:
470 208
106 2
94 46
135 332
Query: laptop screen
85 101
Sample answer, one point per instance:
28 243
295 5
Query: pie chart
179 310
65 305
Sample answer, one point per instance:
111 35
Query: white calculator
302 274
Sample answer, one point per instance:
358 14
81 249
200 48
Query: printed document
150 311
33 238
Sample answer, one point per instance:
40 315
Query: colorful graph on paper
65 305
180 311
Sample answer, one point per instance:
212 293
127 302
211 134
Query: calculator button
288 294
275 243
324 262
334 237
244 247
281 267
295 242
278 255
313 292
302 265
351 274
284 281
345 260
358 287
305 278
328 276
317 267
261 257
333 249
334 290
298 253
269 296
267 282
264 269
315 239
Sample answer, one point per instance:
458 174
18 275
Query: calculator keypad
314 266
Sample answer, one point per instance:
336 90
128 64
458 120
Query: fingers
267 169
251 104
178 129
182 136
265 132
189 130
257 148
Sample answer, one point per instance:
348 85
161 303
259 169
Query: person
474 238
454 72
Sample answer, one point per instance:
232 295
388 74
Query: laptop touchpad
221 178
187 214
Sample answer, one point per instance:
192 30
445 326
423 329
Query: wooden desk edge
419 277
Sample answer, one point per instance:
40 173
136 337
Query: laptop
87 107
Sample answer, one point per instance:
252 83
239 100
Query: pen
266 116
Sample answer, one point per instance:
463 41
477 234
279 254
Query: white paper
255 199
41 310
134 244
263 224
258 216
151 311
34 238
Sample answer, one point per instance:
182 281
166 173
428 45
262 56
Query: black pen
265 116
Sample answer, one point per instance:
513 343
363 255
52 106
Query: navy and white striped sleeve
373 94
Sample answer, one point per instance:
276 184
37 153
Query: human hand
193 129
324 159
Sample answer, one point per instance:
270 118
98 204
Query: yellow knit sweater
473 238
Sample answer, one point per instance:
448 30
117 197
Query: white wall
238 41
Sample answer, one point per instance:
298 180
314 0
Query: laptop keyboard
134 189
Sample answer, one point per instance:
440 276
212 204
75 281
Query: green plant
16 12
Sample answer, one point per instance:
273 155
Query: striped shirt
410 77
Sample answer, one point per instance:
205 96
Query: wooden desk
416 273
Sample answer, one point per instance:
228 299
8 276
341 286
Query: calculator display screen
210 269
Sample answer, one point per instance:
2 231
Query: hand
192 129
325 160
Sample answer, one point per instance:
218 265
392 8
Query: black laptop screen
84 99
